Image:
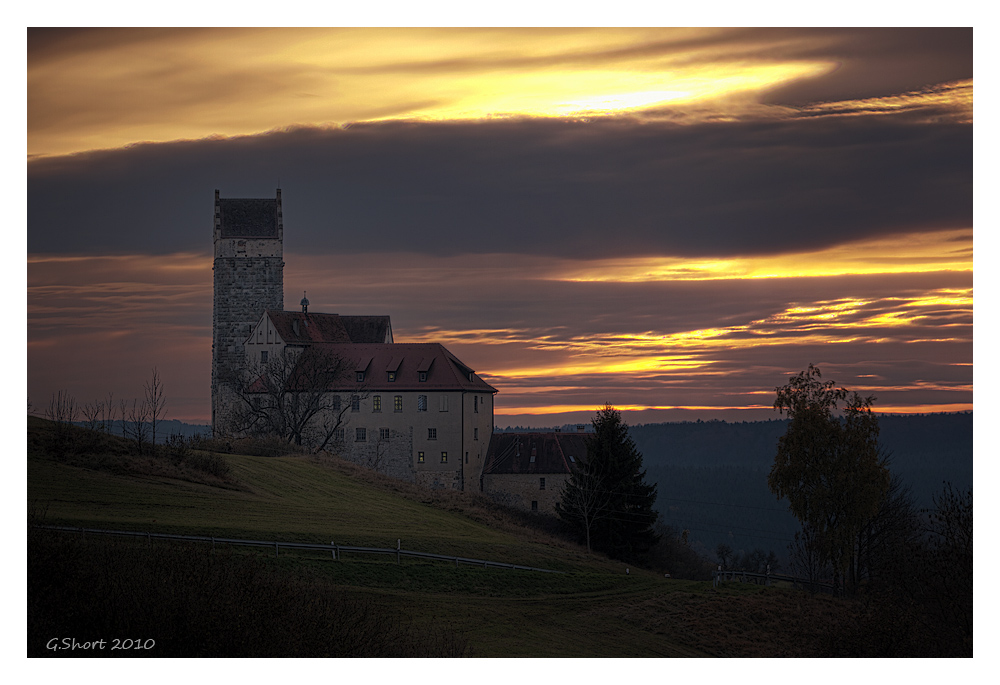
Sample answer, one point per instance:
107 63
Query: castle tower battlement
248 279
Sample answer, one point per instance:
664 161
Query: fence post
275 548
397 550
334 545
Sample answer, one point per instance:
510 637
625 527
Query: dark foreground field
188 599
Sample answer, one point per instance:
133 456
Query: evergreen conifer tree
606 498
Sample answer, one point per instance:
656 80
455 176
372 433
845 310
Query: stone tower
248 280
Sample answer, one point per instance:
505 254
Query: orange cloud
910 253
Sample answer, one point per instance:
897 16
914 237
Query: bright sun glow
105 96
913 253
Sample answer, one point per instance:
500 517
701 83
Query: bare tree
92 414
123 407
109 416
806 557
135 424
332 422
155 402
585 497
62 408
291 396
725 554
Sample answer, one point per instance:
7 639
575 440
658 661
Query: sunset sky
672 221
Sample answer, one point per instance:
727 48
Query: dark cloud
876 62
576 189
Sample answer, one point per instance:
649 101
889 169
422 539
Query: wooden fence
770 578
336 550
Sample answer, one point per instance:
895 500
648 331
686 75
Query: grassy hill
299 603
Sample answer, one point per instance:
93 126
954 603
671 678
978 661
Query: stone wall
244 288
521 489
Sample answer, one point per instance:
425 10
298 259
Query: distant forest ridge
711 475
164 429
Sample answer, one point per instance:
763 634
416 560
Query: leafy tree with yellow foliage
830 467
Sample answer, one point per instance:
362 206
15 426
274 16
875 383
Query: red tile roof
444 370
511 453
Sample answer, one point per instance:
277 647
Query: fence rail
769 578
334 548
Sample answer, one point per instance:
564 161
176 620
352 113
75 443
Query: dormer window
361 376
392 376
423 376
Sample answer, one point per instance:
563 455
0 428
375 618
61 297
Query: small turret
304 303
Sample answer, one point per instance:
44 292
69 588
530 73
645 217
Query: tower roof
248 217
297 328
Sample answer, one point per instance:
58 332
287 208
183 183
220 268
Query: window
263 356
423 376
397 403
361 376
444 457
432 433
355 403
475 433
534 505
466 457
360 435
383 433
420 457
421 402
443 403
541 483
532 458
571 459
392 376
336 403
338 435
377 403
475 403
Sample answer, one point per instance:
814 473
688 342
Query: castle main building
414 411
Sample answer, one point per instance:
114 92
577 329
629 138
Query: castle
414 411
